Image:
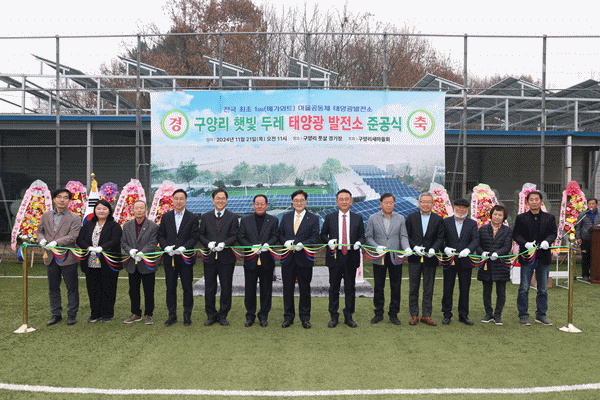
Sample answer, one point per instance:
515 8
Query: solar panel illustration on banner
276 142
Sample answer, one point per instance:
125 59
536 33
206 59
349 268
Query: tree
241 172
331 167
219 183
187 172
236 182
279 172
299 182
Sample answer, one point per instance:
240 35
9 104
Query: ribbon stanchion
570 327
25 328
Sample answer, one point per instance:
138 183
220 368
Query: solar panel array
391 185
366 170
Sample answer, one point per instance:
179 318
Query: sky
570 61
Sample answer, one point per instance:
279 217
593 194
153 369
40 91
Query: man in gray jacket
140 236
387 230
585 221
59 228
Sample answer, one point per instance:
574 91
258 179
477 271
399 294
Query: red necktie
344 248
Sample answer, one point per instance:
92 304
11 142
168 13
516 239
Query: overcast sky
569 60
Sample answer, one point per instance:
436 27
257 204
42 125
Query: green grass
383 356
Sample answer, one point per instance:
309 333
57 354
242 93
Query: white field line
298 393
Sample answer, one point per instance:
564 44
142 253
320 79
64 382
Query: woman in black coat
101 234
495 239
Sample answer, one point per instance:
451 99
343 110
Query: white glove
220 247
298 246
408 252
133 252
52 244
544 245
171 253
449 251
332 243
265 248
169 249
288 243
98 249
139 254
485 254
419 250
179 250
529 245
137 258
464 253
43 242
494 256
431 253
211 245
357 245
380 249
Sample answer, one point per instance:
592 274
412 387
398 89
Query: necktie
218 214
344 230
218 220
297 223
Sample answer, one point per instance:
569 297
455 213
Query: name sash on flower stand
131 193
162 202
573 202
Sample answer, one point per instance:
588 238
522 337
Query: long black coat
501 244
110 240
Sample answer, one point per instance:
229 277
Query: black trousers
585 258
464 286
415 270
186 272
102 290
148 280
500 298
55 275
251 277
344 269
225 274
289 273
379 275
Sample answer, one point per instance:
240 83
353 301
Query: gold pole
25 328
569 327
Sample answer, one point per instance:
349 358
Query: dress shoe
394 320
54 320
71 320
428 321
413 320
350 322
333 323
106 319
170 321
446 321
248 323
93 319
223 322
263 323
376 319
209 322
465 320
187 321
306 324
287 323
525 321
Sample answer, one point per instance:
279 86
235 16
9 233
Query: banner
275 142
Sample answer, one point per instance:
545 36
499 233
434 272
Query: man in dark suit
255 229
344 232
218 228
462 238
534 228
60 228
425 230
140 236
178 232
297 228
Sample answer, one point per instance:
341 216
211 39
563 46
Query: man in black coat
344 232
177 232
461 237
534 228
218 229
298 228
426 236
255 229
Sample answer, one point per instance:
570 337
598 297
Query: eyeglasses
299 201
62 197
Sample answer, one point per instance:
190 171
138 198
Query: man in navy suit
297 228
255 229
462 238
344 232
218 228
425 231
178 231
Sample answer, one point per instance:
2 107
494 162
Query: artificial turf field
383 356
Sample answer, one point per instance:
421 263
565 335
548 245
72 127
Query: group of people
421 235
